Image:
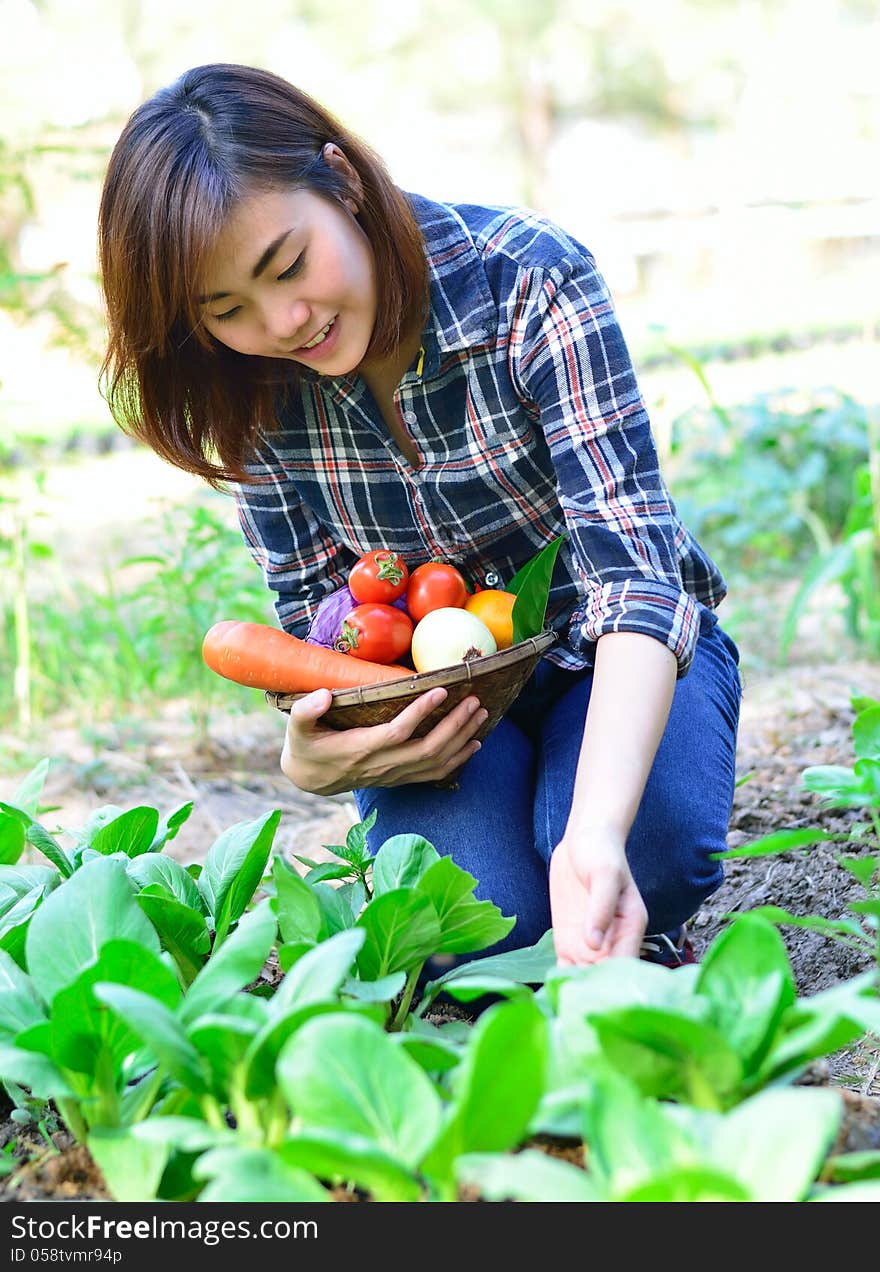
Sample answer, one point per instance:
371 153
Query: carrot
265 657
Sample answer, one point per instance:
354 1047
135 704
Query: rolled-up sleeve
300 561
570 362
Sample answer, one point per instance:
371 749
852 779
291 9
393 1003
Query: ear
336 158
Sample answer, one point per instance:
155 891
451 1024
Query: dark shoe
669 949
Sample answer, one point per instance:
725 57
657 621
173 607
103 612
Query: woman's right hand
326 761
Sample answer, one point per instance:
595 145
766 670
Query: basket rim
420 682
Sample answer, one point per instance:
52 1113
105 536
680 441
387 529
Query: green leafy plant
840 786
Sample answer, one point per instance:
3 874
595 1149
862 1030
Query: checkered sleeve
570 362
300 561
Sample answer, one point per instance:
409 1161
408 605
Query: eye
229 313
294 269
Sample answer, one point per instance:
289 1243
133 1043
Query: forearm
633 684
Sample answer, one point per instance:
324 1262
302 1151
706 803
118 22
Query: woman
370 369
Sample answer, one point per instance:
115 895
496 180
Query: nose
287 323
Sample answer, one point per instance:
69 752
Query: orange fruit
495 609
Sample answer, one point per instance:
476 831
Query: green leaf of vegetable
531 586
466 924
298 909
66 934
401 862
238 961
234 867
342 1073
132 833
402 932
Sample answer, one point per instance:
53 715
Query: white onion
448 636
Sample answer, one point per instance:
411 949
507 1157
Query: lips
326 329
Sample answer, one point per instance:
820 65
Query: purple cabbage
326 625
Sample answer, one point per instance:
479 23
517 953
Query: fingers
307 710
601 906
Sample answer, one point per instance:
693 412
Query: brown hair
183 160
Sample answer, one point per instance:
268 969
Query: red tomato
378 576
434 585
378 633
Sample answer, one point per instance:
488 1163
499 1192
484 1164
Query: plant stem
213 1113
277 1120
408 990
69 1110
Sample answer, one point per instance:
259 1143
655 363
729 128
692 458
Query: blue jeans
514 795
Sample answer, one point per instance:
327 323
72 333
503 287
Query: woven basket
495 679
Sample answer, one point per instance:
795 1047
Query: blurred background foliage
719 157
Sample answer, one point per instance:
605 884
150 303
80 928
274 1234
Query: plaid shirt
524 409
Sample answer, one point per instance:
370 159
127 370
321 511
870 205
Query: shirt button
410 417
492 579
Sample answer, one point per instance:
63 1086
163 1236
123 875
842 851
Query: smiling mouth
319 338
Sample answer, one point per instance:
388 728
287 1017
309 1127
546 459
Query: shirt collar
463 312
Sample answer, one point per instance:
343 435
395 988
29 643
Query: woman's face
286 264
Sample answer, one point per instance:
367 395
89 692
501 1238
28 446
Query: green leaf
182 931
669 1055
50 848
234 867
27 795
37 1073
11 839
861 868
152 868
866 733
497 1086
254 1175
20 1006
170 825
132 1167
434 1053
342 1073
528 1176
238 961
160 1030
528 966
401 862
40 838
775 1142
828 927
320 973
81 1029
846 1168
343 1158
335 903
377 991
531 586
132 833
298 909
840 787
262 1053
689 1183
631 1139
747 976
223 1041
402 932
66 934
779 841
187 1134
17 881
466 924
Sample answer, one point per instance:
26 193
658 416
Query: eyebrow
258 268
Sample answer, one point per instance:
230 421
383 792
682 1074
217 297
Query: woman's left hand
596 909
